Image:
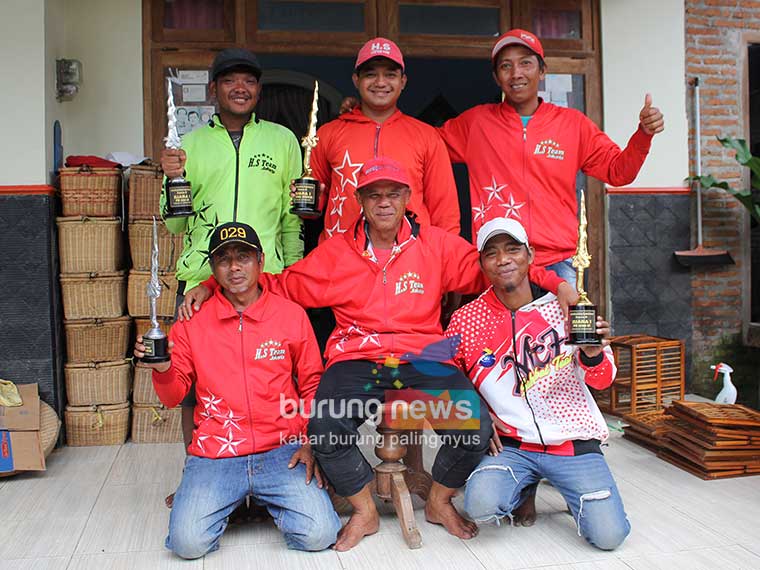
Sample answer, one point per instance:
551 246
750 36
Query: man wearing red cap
386 295
523 155
375 128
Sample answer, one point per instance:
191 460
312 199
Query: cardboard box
20 445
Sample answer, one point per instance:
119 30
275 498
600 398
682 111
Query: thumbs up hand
651 119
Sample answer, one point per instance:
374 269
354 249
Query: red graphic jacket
353 138
243 364
534 383
387 310
528 173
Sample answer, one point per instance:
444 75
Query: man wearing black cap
240 169
248 349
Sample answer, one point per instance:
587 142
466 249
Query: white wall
22 98
643 51
54 49
107 114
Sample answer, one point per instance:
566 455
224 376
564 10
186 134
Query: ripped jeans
496 487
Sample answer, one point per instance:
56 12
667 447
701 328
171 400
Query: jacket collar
508 111
540 297
408 232
356 116
255 311
216 121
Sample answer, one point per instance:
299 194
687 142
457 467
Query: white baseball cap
499 226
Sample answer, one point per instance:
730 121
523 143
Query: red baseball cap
382 168
517 37
380 47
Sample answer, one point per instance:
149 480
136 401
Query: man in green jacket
240 168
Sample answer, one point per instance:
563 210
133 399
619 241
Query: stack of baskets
151 421
93 285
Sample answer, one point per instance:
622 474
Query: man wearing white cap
546 424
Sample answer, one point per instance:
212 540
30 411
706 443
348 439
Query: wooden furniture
650 375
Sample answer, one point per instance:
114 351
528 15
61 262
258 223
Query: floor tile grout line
95 502
741 545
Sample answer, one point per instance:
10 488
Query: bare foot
525 514
360 524
445 514
169 501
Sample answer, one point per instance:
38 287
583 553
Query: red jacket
529 173
392 310
533 381
243 366
353 138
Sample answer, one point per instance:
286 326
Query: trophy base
306 199
582 326
179 198
156 350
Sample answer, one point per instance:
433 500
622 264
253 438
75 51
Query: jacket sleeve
455 133
545 278
174 384
308 281
461 265
438 188
291 226
454 330
598 373
307 365
603 159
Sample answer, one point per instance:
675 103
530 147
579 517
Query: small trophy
179 195
306 199
583 313
155 341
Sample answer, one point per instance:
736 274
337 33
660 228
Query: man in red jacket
384 280
243 353
513 345
375 128
523 155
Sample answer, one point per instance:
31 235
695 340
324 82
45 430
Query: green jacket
250 186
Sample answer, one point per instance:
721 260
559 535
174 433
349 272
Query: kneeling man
547 425
246 349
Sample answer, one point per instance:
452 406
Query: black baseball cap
233 232
232 58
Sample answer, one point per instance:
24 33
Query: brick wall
715 53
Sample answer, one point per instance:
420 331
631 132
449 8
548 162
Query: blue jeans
496 487
212 488
565 270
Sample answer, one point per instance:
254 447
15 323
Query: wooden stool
396 481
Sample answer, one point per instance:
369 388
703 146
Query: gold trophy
306 199
179 195
583 313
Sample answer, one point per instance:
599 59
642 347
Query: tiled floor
102 508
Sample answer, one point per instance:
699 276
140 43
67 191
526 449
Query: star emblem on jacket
337 204
228 444
348 171
210 405
512 208
494 190
479 212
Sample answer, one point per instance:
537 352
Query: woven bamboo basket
90 244
142 324
50 427
143 393
89 191
137 297
156 424
97 340
98 383
141 244
93 295
97 425
145 184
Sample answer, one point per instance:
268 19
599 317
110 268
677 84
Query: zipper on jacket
525 133
524 388
245 384
237 172
377 138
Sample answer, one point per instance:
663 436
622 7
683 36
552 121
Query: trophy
155 341
306 199
583 313
179 195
